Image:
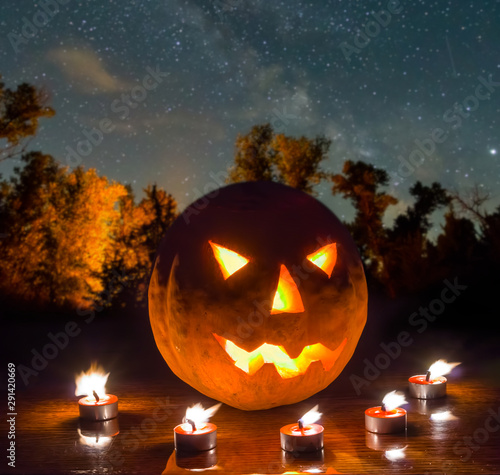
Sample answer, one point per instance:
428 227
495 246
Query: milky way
156 91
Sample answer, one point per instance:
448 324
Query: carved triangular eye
325 258
229 261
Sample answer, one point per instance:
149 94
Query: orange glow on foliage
229 261
251 361
325 258
287 297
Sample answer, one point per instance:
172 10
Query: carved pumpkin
258 296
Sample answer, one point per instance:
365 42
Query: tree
361 183
20 111
427 200
264 155
137 235
160 209
253 158
457 248
298 160
407 251
60 233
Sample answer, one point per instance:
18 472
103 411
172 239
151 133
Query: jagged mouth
252 361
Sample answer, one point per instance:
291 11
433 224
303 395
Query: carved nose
287 297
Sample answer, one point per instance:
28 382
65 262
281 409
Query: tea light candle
95 408
432 384
96 405
189 438
196 434
388 417
304 436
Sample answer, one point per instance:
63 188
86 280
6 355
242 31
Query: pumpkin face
258 296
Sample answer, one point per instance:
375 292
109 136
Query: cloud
86 71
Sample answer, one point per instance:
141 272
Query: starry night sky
309 68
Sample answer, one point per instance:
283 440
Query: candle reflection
97 434
429 406
443 416
395 454
94 442
385 442
199 462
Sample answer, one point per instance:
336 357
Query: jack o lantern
258 296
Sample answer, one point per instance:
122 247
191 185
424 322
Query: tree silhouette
427 200
408 246
472 204
20 111
361 183
160 209
264 155
253 157
457 248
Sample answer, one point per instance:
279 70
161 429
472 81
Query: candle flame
199 415
312 416
440 368
393 400
94 380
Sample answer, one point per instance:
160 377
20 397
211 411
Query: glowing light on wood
251 361
229 261
325 258
287 297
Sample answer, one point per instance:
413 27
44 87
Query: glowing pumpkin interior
229 261
286 299
251 361
325 258
287 296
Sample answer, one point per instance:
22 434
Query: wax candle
96 405
196 434
304 435
432 384
388 417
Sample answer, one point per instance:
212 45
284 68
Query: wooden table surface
152 401
49 438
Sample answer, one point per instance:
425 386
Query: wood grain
48 439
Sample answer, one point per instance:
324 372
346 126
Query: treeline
401 258
75 239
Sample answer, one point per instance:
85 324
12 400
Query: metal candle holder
297 438
98 409
380 421
188 438
422 387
